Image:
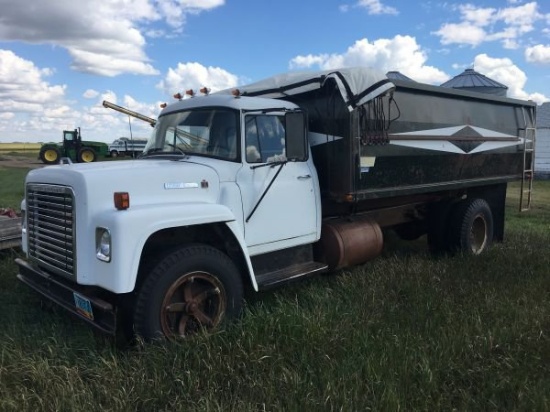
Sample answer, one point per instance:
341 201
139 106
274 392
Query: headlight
103 244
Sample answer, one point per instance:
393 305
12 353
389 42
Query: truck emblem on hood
180 185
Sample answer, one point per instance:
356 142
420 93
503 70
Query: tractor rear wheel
87 155
50 155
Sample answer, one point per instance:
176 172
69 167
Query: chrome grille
51 227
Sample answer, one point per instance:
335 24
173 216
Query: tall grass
403 332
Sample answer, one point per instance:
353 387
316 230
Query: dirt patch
26 161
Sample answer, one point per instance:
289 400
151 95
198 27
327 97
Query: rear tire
471 229
87 155
193 288
50 155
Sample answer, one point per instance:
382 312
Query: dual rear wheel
466 228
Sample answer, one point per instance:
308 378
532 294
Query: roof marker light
178 96
163 105
190 92
205 91
236 92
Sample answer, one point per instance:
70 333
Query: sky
60 59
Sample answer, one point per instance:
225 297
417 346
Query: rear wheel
50 155
192 289
471 229
86 155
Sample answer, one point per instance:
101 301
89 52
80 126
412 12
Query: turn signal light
122 200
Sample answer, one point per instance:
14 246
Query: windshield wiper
272 164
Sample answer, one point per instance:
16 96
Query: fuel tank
349 242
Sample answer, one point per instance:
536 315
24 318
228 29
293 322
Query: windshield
207 132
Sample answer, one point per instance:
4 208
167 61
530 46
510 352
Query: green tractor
73 148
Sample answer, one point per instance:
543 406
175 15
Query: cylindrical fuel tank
350 242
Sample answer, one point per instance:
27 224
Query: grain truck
252 188
125 146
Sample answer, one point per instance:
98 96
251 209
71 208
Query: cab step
289 273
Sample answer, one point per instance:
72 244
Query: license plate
83 306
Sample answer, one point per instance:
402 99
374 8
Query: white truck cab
222 178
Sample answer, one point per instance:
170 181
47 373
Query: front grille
51 227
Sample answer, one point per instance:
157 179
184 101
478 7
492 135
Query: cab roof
228 101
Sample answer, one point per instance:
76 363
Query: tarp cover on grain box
357 85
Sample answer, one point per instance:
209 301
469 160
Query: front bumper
101 314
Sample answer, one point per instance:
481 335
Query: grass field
404 332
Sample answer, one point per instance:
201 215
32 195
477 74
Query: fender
130 229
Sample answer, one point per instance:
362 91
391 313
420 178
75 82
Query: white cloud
478 25
463 33
6 116
373 7
538 54
194 76
90 94
506 72
477 16
21 80
102 37
402 53
376 7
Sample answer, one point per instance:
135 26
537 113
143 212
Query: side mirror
296 142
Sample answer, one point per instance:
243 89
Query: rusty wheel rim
194 302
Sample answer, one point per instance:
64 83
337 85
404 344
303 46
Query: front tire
193 288
471 229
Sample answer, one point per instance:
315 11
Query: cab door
280 198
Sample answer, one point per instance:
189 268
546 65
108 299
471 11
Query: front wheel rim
194 302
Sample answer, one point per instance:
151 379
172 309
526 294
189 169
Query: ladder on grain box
525 196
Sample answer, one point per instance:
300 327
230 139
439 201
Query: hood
147 181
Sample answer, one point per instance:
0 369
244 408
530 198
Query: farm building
542 147
471 80
395 75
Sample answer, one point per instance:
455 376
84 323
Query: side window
265 138
252 143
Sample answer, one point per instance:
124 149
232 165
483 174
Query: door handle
304 177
